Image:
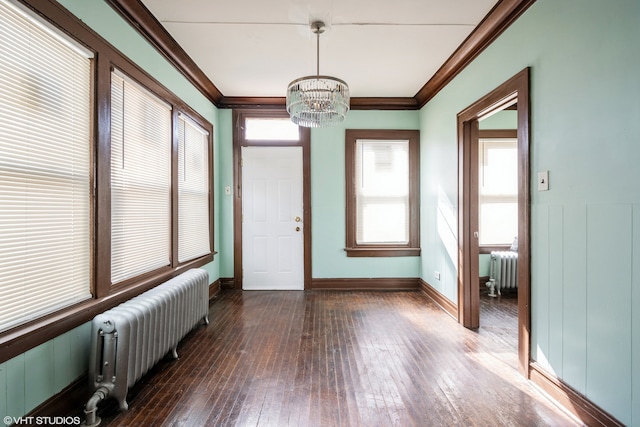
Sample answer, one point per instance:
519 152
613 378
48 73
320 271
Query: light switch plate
543 181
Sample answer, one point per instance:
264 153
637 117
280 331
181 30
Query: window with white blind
45 168
91 208
193 190
382 192
498 191
140 180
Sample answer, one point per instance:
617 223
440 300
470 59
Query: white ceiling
380 48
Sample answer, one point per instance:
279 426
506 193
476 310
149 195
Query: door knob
297 228
298 219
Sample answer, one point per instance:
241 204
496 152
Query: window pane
382 191
499 223
383 223
45 157
193 190
498 167
274 129
140 180
498 191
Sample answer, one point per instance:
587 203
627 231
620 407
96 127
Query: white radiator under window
503 271
129 339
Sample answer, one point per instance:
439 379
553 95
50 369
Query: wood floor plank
339 358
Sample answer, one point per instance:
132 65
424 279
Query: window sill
382 251
24 337
489 249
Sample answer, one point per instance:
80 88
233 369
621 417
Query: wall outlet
437 274
227 190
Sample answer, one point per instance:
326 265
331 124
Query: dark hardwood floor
335 358
499 325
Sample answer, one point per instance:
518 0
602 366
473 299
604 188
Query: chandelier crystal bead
317 101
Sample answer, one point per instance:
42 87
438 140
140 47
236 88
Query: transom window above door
270 129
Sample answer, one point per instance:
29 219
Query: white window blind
45 158
193 190
140 180
498 191
382 191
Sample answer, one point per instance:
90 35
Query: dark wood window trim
29 335
382 251
498 133
489 249
239 141
353 249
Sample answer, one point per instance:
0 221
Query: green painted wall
328 201
329 259
225 172
585 231
32 377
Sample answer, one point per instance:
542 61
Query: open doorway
513 92
497 185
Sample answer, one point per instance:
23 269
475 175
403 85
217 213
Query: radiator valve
491 284
91 417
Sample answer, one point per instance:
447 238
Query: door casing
513 90
239 117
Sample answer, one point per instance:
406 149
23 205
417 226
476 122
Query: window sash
140 180
497 191
45 168
193 190
382 192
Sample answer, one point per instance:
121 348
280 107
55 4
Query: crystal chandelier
317 101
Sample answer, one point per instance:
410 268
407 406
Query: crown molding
387 103
142 20
503 14
355 104
265 102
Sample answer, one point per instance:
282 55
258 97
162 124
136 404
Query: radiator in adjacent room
503 271
127 340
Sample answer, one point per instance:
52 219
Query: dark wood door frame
239 116
513 90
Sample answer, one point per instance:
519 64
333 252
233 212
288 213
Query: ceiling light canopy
317 101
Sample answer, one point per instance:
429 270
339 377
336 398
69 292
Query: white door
272 228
